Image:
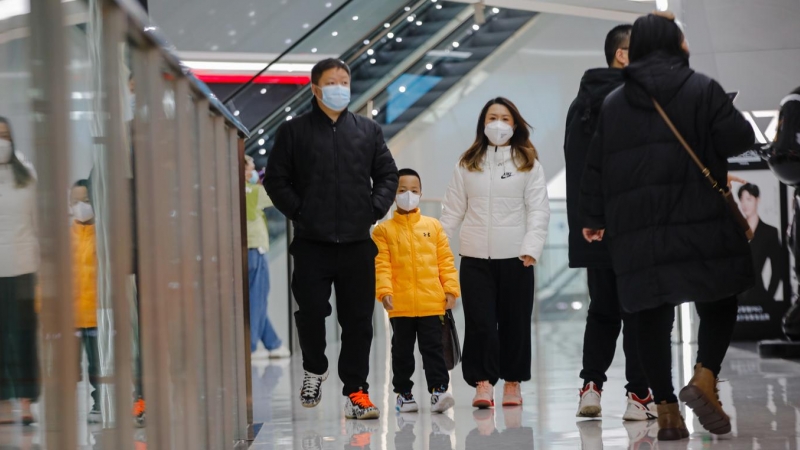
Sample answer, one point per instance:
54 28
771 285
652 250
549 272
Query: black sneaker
311 393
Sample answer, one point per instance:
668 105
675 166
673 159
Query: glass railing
355 21
375 60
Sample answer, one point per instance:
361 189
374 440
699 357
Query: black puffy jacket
332 179
671 236
582 117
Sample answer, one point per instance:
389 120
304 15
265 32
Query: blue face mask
336 97
254 177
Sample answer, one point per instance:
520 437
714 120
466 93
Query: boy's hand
387 303
528 261
451 301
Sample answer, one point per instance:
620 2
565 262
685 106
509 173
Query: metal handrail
139 17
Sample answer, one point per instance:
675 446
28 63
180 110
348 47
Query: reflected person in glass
19 262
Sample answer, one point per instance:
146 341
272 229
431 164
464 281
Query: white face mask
82 212
5 151
499 133
408 201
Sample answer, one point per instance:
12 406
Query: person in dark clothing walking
605 319
332 174
671 236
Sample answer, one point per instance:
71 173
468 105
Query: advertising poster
762 200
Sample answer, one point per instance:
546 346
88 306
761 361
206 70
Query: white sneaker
359 406
441 401
590 402
311 393
260 354
640 409
280 353
406 403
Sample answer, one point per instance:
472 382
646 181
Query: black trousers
19 359
88 341
603 325
717 320
405 331
498 304
350 269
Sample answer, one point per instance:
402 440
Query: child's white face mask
408 201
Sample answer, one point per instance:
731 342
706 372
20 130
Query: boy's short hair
409 172
81 183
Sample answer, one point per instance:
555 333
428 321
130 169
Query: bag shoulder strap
692 154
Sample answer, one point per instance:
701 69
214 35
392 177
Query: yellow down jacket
414 265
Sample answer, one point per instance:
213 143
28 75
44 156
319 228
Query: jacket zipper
491 209
412 237
336 181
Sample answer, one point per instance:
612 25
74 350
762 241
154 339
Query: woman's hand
450 301
528 261
592 235
387 303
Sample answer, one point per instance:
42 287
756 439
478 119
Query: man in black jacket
605 319
332 174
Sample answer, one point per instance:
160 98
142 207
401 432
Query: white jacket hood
502 212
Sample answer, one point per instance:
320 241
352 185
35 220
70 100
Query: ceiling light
408 8
262 151
429 66
355 17
495 10
288 117
390 35
387 25
374 112
236 113
252 14
306 26
476 27
335 33
261 141
366 41
662 5
410 18
214 48
370 52
314 50
434 1
456 44
288 108
438 6
399 39
328 5
264 90
402 89
372 61
288 41
261 131
419 23
232 33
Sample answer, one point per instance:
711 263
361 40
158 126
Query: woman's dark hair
522 150
751 189
653 33
788 135
22 176
409 173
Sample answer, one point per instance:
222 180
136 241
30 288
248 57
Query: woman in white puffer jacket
498 196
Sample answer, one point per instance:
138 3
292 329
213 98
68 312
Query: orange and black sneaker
138 412
358 406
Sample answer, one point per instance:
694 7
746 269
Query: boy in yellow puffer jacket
416 280
84 262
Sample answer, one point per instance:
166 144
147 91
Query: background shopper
498 197
671 236
19 262
332 174
261 329
605 319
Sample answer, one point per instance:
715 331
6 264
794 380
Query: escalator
404 68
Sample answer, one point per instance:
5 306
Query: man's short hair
616 39
326 65
409 172
751 189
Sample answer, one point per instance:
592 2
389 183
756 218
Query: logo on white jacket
506 175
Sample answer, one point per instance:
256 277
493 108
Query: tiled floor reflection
762 396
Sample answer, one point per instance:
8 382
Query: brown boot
701 395
671 426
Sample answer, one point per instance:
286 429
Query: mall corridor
204 203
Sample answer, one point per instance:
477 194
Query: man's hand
592 235
528 261
387 303
450 301
734 179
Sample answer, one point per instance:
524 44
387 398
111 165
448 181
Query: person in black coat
760 314
605 319
332 174
672 237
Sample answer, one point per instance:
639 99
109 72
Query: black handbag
450 343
